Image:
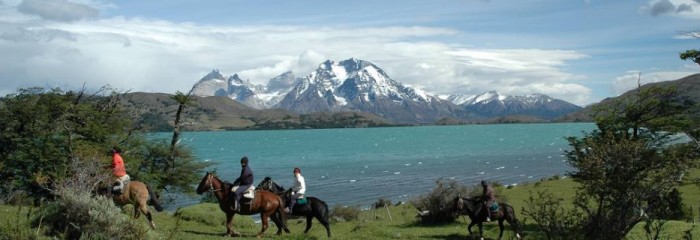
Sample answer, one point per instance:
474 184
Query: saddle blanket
249 194
494 207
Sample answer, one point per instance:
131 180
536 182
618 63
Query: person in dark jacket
244 181
488 195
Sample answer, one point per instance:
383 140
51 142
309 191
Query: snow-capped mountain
357 85
492 104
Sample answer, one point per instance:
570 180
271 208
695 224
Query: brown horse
475 209
138 194
268 204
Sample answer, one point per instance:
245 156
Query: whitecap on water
352 180
407 164
480 173
419 163
397 173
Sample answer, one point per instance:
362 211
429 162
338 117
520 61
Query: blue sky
577 50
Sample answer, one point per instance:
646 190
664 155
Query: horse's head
205 184
265 184
458 206
465 205
269 185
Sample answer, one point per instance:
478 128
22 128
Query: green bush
344 213
381 202
439 203
553 220
79 215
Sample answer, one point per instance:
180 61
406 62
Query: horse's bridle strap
211 184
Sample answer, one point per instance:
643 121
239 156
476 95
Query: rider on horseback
488 197
298 190
243 182
119 171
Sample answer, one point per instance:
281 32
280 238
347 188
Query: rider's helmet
244 160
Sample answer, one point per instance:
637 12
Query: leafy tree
182 100
693 55
630 159
43 130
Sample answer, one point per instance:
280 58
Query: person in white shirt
299 188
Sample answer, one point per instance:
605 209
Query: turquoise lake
355 167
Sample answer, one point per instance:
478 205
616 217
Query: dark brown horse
268 204
138 194
475 209
313 208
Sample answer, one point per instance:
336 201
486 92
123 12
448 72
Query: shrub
344 213
79 215
382 202
551 218
439 202
76 213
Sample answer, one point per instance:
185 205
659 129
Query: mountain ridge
355 85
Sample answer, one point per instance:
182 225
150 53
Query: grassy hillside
156 112
688 89
206 221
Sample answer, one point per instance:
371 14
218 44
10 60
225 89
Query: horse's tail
280 212
153 199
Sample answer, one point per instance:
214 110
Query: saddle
494 207
249 194
119 191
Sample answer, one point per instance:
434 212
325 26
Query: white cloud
159 56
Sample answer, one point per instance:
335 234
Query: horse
138 194
268 204
475 209
313 208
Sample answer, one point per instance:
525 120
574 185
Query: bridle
211 184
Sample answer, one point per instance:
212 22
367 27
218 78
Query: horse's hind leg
276 218
309 221
144 209
265 223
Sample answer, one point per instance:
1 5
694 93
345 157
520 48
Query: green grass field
206 221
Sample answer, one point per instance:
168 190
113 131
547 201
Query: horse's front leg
229 225
500 226
481 231
264 217
469 228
